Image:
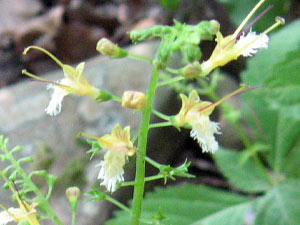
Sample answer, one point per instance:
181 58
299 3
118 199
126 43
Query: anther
280 20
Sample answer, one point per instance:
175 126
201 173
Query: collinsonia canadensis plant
194 114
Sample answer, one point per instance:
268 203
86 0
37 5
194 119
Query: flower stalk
142 144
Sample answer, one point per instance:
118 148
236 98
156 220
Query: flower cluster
229 48
194 113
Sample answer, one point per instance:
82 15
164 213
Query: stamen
237 92
247 90
279 21
255 20
88 135
249 25
46 52
238 30
25 72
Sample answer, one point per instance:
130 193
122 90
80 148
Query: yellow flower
73 82
25 212
238 44
194 115
119 147
190 109
134 100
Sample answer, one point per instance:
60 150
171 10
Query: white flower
119 146
73 82
203 130
111 171
5 217
251 43
57 96
194 114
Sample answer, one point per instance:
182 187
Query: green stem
155 177
161 115
163 124
43 203
209 91
151 178
117 203
137 57
153 163
170 81
142 144
173 71
73 217
116 98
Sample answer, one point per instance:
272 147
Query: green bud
140 35
73 195
155 31
108 48
159 216
207 29
191 70
215 26
163 53
191 53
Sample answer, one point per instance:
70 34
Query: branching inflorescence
194 113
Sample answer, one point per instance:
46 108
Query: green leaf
274 110
248 176
169 4
281 206
238 10
291 162
284 84
235 215
194 203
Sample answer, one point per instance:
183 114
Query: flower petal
111 171
251 43
57 96
5 217
203 130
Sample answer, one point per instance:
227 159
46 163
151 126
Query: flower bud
191 70
191 53
133 100
108 48
215 26
73 194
